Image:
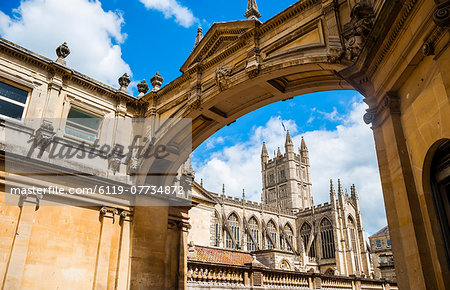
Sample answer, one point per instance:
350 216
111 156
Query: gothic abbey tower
286 179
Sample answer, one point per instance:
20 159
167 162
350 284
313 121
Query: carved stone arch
271 220
240 220
285 265
351 218
323 219
258 222
303 224
330 271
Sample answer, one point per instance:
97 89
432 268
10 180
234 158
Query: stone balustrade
203 275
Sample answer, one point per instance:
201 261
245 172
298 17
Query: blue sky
142 37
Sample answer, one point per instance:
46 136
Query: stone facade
327 238
395 53
381 254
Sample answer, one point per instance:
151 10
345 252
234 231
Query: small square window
83 125
378 243
388 243
12 101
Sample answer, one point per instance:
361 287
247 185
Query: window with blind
82 124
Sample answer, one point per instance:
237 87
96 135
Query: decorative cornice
392 36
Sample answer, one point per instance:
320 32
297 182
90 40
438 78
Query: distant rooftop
383 232
222 256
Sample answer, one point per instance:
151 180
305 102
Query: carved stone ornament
115 159
428 49
132 166
124 81
442 14
222 77
195 101
357 30
62 52
142 87
252 12
157 82
44 135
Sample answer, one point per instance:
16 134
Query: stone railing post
317 283
247 278
357 285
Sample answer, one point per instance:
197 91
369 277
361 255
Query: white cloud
93 35
171 8
348 153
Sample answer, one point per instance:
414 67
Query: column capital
390 102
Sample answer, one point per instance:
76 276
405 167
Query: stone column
123 267
16 264
105 261
405 226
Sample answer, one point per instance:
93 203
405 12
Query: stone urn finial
142 87
62 52
156 81
124 81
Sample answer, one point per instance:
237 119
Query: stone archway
388 51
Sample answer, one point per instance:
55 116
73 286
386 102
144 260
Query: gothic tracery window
327 237
216 231
289 236
254 232
272 232
233 223
305 233
352 229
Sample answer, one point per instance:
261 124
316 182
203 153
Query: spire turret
304 151
288 139
353 193
252 12
340 192
199 36
279 152
289 147
332 194
264 152
303 146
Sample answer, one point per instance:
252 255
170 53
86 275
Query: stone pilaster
19 250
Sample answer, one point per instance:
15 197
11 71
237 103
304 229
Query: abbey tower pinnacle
286 179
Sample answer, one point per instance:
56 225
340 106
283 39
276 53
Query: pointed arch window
216 231
289 237
327 237
254 232
272 232
233 223
306 235
352 230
